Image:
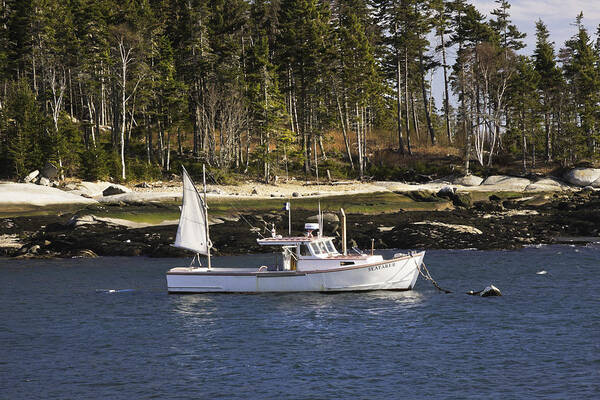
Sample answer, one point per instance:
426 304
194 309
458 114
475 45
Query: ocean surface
63 335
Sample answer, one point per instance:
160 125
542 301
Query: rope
428 277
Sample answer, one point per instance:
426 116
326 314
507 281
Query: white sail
191 233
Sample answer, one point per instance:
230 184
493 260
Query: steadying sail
191 233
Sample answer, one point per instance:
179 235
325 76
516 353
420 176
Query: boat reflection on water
203 308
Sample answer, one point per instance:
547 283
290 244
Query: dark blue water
62 338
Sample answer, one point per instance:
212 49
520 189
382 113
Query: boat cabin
314 252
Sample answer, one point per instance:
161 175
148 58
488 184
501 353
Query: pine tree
550 76
267 107
28 145
524 101
584 79
357 69
304 52
509 35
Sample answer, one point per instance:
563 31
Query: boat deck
229 271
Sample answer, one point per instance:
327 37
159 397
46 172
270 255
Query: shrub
94 164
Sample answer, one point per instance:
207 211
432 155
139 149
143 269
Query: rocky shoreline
492 223
464 212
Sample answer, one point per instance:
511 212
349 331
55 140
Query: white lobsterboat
309 263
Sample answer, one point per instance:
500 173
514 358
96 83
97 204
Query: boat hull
398 273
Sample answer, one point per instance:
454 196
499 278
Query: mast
208 243
289 210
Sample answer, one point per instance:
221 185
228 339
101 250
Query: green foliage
94 164
141 170
28 144
417 172
266 79
67 145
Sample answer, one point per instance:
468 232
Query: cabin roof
291 240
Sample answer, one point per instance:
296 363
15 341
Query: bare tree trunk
267 171
322 148
70 94
161 145
168 167
56 104
91 116
425 102
344 132
97 121
359 143
123 113
406 117
413 108
399 103
446 101
179 144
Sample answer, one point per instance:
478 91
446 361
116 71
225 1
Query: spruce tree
550 76
582 73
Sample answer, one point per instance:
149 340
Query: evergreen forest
130 90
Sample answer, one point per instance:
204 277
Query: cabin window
323 248
315 248
304 250
330 247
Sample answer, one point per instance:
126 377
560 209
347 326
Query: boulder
327 218
295 194
546 185
44 181
76 220
32 176
489 291
422 196
35 195
458 228
115 189
89 189
582 176
596 184
507 182
468 180
50 171
446 191
86 253
462 199
254 191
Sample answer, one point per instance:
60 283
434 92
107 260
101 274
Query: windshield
315 248
323 247
330 247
